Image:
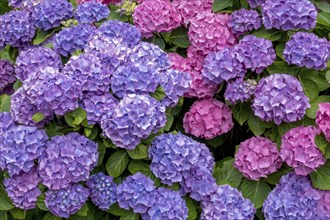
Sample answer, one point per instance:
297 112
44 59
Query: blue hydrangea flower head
244 20
240 90
7 74
24 4
255 3
90 12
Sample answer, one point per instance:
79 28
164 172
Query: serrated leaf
219 5
41 36
283 67
321 177
116 210
319 78
256 191
256 126
4 7
5 203
3 215
50 216
322 143
192 213
159 94
310 88
140 166
41 202
117 163
323 6
18 213
226 173
311 112
38 117
130 215
217 141
274 178
5 103
157 41
279 50
18 84
139 152
179 37
327 76
76 117
272 35
169 122
83 211
242 112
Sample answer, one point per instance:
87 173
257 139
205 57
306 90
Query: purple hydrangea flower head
289 14
257 157
24 4
280 98
324 205
222 66
174 154
308 50
155 17
133 119
103 191
16 28
121 30
255 53
168 205
67 201
6 123
136 192
23 189
7 74
74 38
20 146
292 198
240 90
35 59
255 3
323 119
142 72
227 203
244 20
50 13
90 12
97 105
208 118
299 151
67 159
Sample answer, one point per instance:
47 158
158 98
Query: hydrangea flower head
7 74
244 20
90 12
200 87
6 123
255 3
24 4
208 118
323 119
324 205
280 98
239 90
178 62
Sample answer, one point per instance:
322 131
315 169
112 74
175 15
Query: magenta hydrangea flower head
168 205
257 157
7 74
71 39
299 151
292 198
255 3
91 12
196 57
324 205
23 189
174 154
20 146
67 201
240 90
67 159
280 98
178 62
136 192
323 119
308 50
244 20
105 2
208 118
155 17
103 191
200 87
133 119
289 14
50 13
227 203
34 60
255 53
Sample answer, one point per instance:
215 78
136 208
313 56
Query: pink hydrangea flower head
195 58
178 62
324 205
257 157
156 16
323 119
105 2
299 151
207 119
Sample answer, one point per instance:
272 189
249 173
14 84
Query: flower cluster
244 20
239 90
306 49
90 12
207 119
25 4
280 98
299 151
255 3
323 119
7 74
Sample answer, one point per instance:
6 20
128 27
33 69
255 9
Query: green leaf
13 53
116 210
272 35
18 84
219 5
310 88
319 78
279 50
83 211
274 178
311 112
323 19
169 122
38 117
140 166
4 54
327 76
323 6
18 213
4 7
5 203
179 37
217 141
76 117
192 213
242 112
3 215
139 152
159 94
130 215
5 103
321 177
41 202
283 67
41 36
117 163
256 191
74 3
50 216
157 41
256 126
226 173
322 143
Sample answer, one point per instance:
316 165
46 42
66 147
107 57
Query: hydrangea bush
164 109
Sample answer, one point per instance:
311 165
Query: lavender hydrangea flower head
280 98
323 119
71 39
136 192
227 203
90 12
20 146
156 16
103 191
35 59
168 205
240 90
67 159
289 14
174 154
299 151
67 201
244 20
308 50
133 119
50 13
257 157
7 74
324 205
6 123
255 3
292 198
255 53
23 189
207 119
24 4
